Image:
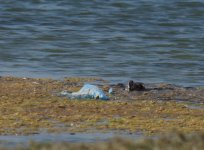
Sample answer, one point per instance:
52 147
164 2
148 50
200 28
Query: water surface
21 140
144 40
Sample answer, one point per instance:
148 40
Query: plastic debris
110 91
88 91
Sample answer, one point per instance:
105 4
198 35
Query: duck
135 86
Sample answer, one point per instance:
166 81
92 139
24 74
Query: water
21 140
144 40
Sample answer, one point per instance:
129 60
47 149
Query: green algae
28 106
84 79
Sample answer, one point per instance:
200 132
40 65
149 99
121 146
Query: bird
135 86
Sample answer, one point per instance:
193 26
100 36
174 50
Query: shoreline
30 105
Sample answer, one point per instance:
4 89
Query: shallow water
149 41
12 140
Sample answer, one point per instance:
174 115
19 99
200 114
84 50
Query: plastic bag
88 91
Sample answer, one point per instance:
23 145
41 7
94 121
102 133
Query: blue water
144 40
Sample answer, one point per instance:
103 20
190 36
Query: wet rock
157 92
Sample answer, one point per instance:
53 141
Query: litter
88 91
110 91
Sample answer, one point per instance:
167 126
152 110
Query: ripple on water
150 41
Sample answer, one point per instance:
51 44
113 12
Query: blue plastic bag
88 91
